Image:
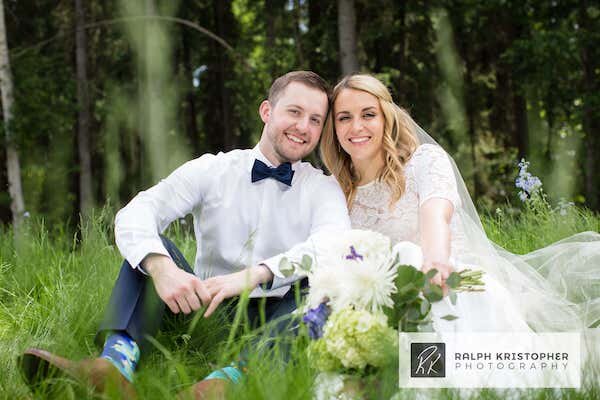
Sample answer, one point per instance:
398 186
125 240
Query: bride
398 181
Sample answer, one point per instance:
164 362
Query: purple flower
353 254
315 319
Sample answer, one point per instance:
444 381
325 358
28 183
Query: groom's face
293 124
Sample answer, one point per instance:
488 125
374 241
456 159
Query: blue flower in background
315 319
528 183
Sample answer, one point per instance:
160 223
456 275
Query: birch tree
13 169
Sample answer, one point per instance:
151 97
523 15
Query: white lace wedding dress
553 289
429 174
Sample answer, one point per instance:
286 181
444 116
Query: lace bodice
428 174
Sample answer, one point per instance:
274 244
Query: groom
251 208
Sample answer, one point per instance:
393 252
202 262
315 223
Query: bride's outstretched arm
435 215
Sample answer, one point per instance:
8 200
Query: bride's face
359 125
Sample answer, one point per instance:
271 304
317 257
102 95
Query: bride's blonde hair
399 140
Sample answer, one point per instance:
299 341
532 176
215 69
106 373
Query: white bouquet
361 292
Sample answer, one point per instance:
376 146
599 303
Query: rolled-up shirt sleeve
139 223
329 217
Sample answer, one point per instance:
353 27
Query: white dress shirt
237 223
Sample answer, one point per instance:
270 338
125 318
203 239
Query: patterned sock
123 352
233 373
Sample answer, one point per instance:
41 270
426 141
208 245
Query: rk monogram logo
427 360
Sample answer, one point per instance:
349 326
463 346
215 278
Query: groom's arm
138 225
222 287
329 217
180 290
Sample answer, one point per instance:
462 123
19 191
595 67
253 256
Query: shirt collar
260 156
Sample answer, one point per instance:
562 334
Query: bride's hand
444 271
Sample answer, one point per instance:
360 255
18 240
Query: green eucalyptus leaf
407 294
431 273
406 288
425 307
405 275
306 263
452 295
286 267
453 280
419 279
400 305
449 317
433 293
413 314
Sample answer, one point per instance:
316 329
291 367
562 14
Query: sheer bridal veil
556 288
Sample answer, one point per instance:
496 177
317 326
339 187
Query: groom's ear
265 111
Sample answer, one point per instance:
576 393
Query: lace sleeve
434 175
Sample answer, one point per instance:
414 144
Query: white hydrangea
358 338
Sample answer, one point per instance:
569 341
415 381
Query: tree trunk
591 115
347 36
13 169
86 195
270 13
149 90
270 17
229 138
297 35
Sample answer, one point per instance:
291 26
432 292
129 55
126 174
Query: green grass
53 288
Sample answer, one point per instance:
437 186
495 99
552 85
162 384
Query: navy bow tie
283 173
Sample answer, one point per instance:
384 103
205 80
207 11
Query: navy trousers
135 307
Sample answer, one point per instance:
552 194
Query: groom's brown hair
307 78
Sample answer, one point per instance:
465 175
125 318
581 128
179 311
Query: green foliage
415 294
55 286
537 225
410 309
475 74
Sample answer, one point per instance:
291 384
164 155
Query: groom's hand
444 271
180 290
225 286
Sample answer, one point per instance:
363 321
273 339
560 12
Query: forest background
110 96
